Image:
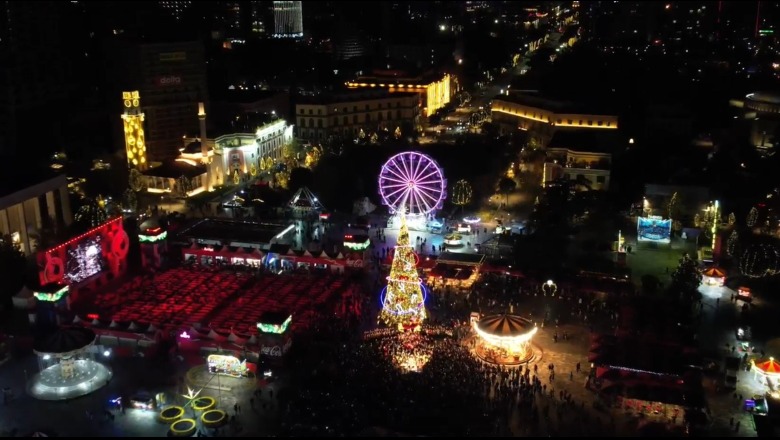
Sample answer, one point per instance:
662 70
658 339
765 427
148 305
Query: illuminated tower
403 300
288 19
204 149
133 123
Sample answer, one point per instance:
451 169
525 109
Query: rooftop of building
232 231
243 123
585 140
351 95
13 181
765 96
533 98
173 169
247 96
390 76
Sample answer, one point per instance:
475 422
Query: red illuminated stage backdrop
92 258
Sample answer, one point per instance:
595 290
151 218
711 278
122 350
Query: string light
461 193
732 243
86 234
752 217
759 260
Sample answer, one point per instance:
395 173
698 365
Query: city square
392 219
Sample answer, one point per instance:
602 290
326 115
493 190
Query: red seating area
222 300
296 294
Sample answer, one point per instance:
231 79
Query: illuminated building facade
225 160
30 208
345 114
581 156
133 125
543 117
434 91
288 19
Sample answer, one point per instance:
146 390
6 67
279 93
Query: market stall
714 277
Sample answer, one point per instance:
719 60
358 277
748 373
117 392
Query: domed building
762 109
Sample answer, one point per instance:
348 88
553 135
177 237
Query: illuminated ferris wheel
413 181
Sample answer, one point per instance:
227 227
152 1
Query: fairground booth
652 378
88 261
219 242
274 334
154 243
456 270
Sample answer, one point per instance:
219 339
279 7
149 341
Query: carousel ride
504 339
67 365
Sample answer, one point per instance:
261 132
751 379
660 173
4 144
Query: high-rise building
175 8
171 79
288 19
31 45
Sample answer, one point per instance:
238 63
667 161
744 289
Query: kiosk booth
275 334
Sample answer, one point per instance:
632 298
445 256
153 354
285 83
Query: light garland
52 296
752 217
760 260
549 288
213 418
171 414
461 193
144 238
183 428
732 243
276 329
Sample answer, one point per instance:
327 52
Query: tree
686 278
752 217
402 304
674 206
130 200
13 267
90 215
136 180
506 186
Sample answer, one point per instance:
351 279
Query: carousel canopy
771 367
65 340
714 272
505 325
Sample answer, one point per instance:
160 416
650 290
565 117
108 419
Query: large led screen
84 259
654 229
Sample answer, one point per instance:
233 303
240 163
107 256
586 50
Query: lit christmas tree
403 300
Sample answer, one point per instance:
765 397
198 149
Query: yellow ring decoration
177 413
183 428
217 422
204 403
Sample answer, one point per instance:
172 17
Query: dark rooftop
452 257
585 140
174 169
347 95
400 77
246 123
228 231
247 96
12 181
533 98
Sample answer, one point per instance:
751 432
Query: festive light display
356 243
760 260
133 122
403 299
85 259
152 235
276 329
549 288
752 217
732 243
461 193
52 296
412 180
